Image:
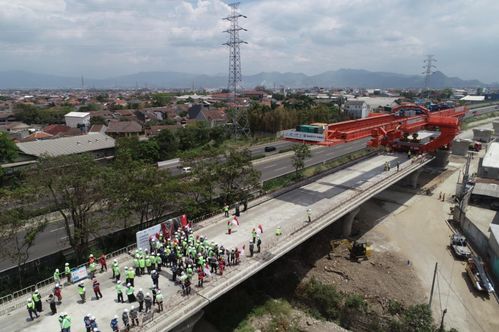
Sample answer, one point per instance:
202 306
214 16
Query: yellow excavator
359 250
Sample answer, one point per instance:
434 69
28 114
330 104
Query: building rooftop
473 98
67 145
77 114
124 127
491 158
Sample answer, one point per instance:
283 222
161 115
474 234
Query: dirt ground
415 228
384 276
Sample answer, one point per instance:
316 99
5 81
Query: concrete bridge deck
330 198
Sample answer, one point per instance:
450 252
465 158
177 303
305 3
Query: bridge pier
347 222
414 177
188 324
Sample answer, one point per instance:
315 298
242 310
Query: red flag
183 220
260 227
235 221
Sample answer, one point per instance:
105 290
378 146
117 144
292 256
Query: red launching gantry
387 129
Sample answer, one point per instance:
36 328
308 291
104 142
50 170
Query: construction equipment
476 273
386 129
359 250
459 246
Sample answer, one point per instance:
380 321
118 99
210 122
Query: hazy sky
100 38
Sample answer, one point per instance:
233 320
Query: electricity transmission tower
240 117
428 69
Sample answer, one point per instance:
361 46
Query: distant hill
354 78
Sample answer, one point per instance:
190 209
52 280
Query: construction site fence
258 197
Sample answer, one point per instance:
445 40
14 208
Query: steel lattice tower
240 120
428 67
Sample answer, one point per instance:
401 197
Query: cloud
111 37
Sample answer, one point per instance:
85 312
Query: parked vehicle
269 148
479 279
459 246
186 170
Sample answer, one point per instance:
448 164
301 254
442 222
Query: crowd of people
188 256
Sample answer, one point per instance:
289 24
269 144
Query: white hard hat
115 317
126 310
147 294
56 270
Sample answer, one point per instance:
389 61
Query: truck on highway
459 246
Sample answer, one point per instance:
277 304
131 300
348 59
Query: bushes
324 300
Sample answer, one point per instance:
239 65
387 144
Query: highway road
481 110
54 237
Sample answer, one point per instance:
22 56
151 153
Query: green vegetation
297 109
276 311
161 99
352 311
301 152
31 114
8 149
192 141
469 122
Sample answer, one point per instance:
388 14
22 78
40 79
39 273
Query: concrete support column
347 222
188 324
414 177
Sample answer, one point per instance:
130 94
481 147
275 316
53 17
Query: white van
186 170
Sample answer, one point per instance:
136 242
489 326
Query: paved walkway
287 211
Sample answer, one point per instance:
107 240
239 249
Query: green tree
147 151
161 99
418 318
89 108
167 144
8 149
301 152
18 233
75 186
97 120
237 176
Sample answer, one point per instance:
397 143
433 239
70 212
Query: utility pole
240 121
82 82
441 329
433 284
428 70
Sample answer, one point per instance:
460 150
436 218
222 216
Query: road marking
57 229
63 238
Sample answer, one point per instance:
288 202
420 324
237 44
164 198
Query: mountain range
354 78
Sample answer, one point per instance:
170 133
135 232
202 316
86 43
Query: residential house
16 130
79 120
124 129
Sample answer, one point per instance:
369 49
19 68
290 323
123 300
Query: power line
428 69
240 118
